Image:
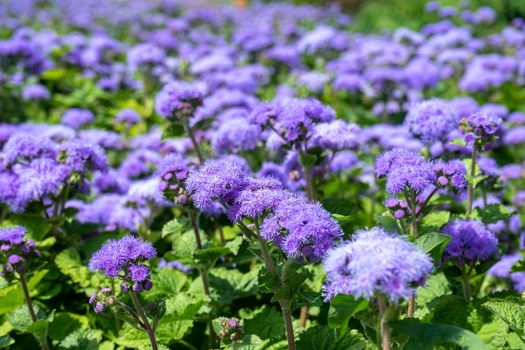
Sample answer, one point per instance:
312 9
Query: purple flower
76 117
431 120
335 135
178 100
139 273
12 235
35 92
375 262
145 56
82 157
301 229
396 157
415 177
216 181
116 256
471 241
480 129
24 146
451 175
128 116
234 135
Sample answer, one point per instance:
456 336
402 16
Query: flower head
178 100
375 262
431 120
76 117
471 242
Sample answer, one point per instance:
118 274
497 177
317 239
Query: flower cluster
480 129
173 171
431 120
232 329
471 242
178 100
16 252
124 259
375 262
302 229
102 299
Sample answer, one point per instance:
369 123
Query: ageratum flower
431 120
398 156
335 135
416 178
216 181
24 146
16 252
173 171
234 135
145 56
471 242
76 118
302 229
128 116
480 129
451 175
259 196
502 269
35 92
81 157
178 100
375 262
124 258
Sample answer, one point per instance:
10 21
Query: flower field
249 176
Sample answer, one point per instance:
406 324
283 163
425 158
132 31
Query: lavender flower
76 117
124 258
173 171
35 92
431 120
397 157
301 229
216 181
335 135
451 175
471 242
16 252
480 129
24 146
128 116
178 100
375 262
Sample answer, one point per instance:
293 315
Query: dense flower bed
259 177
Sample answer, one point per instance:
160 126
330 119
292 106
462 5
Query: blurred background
377 15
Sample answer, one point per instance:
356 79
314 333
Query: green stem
145 321
204 275
471 180
285 304
383 324
466 285
194 142
29 302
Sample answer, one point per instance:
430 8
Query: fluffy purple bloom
260 196
26 146
375 262
398 156
128 116
416 177
15 252
515 135
502 269
431 120
235 135
471 241
178 100
12 235
216 181
145 56
335 135
117 255
301 229
451 175
139 273
76 117
480 129
343 161
35 92
82 157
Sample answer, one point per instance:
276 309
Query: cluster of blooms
178 100
302 229
232 329
16 252
173 171
408 171
480 129
102 299
471 242
502 269
375 263
124 259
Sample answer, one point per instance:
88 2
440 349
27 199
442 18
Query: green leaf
173 130
20 319
492 213
459 141
342 218
65 323
510 310
209 256
249 342
423 336
217 324
68 262
168 282
228 285
173 228
53 74
12 296
234 245
494 334
342 308
266 323
81 339
434 221
434 244
308 160
5 341
132 338
293 276
324 338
